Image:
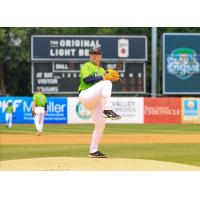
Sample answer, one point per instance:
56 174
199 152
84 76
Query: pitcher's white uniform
95 95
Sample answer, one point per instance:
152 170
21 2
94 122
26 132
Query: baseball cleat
97 154
39 133
110 114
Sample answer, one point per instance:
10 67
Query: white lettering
16 104
83 52
79 43
47 81
130 75
57 108
3 105
26 107
61 66
62 52
48 74
54 43
161 111
39 75
49 89
74 75
62 43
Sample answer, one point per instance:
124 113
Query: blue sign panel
50 47
181 63
56 109
191 108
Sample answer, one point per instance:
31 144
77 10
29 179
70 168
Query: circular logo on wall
82 112
190 104
183 63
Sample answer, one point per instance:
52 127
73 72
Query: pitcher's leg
100 92
37 122
106 95
41 121
10 120
7 119
99 122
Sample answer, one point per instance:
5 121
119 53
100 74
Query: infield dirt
88 164
106 139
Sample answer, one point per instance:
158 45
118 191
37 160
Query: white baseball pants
96 99
9 120
39 118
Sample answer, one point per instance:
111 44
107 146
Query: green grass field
110 128
179 153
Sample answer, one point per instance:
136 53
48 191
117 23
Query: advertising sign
190 110
130 109
76 47
162 110
181 63
77 113
56 109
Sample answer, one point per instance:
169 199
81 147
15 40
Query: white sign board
131 110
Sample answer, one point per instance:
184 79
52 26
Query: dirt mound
88 164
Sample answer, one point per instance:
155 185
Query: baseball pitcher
95 94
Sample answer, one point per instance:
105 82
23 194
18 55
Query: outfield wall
57 109
134 110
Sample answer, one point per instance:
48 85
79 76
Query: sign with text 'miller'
56 110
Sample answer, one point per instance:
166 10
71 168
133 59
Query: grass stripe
61 129
179 153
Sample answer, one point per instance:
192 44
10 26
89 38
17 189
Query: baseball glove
33 113
111 75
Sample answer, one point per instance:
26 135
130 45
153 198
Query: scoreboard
57 60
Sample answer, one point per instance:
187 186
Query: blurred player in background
39 110
9 115
95 94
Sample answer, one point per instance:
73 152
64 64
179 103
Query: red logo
162 110
123 51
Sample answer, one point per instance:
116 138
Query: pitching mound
82 164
